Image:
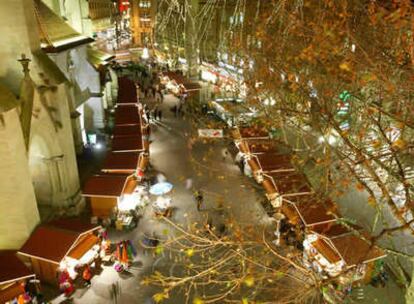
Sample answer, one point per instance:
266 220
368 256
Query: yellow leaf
245 301
345 66
198 301
372 201
159 297
189 252
249 281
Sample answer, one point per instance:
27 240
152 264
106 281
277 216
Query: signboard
210 133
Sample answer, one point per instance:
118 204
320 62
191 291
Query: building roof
55 34
181 80
127 130
127 144
121 161
12 269
105 185
127 115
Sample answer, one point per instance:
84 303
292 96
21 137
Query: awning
105 185
258 146
250 132
289 183
83 245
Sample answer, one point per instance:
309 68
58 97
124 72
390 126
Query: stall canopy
127 115
126 162
98 58
128 144
289 183
273 162
341 243
12 272
53 243
309 209
127 92
107 185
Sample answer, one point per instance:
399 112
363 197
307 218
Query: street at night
197 152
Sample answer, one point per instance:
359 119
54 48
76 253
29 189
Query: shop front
117 199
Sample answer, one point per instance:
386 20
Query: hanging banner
210 133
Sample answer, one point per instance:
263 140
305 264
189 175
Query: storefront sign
211 133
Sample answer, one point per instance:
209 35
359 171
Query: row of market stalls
66 253
332 248
115 194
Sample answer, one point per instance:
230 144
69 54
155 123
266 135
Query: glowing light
98 146
145 53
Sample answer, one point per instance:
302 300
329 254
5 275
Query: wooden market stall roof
273 162
289 183
56 35
128 144
127 115
98 58
121 161
127 130
106 185
12 269
309 209
127 92
250 132
349 246
53 243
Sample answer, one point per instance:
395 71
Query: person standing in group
198 195
160 114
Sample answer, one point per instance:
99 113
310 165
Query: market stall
341 252
16 280
231 111
126 163
108 192
162 204
177 84
61 248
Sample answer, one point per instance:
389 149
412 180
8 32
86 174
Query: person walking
198 195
